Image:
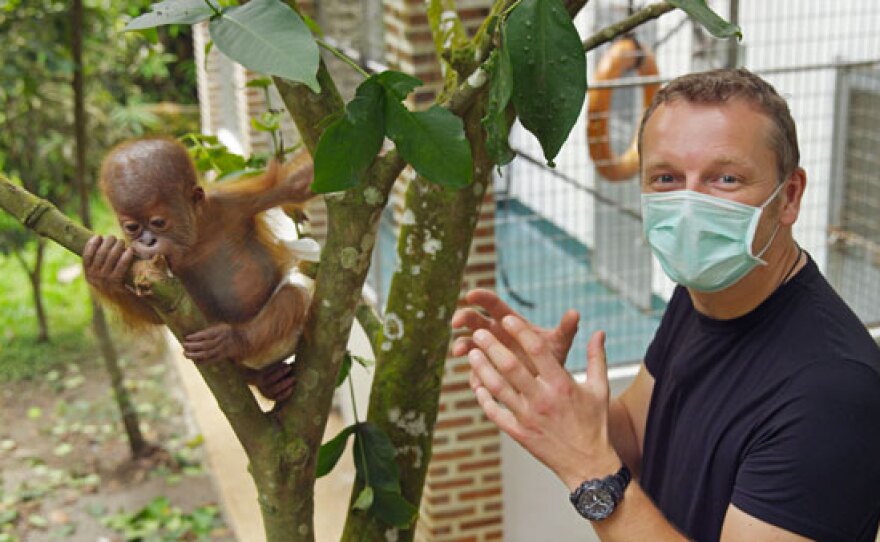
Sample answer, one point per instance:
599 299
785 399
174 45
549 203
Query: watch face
596 501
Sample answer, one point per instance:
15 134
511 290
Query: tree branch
640 17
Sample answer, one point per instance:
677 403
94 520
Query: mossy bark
412 349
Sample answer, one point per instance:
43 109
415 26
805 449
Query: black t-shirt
776 412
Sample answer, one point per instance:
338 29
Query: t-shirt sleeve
815 470
655 356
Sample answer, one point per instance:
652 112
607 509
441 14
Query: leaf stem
354 407
217 12
510 8
342 56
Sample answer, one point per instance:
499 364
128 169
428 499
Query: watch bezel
606 491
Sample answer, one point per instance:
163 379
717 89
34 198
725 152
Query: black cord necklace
791 269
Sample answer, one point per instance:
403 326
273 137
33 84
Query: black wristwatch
596 499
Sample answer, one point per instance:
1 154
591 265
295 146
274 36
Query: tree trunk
36 277
424 294
136 443
138 446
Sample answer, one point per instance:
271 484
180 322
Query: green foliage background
125 73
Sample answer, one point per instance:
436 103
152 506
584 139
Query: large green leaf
703 14
172 12
496 122
331 451
347 147
393 509
432 142
374 458
267 36
549 71
398 84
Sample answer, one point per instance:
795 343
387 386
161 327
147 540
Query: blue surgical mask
703 242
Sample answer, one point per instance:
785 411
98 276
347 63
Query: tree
490 77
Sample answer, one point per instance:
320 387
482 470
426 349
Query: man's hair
719 86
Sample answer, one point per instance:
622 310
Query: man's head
717 87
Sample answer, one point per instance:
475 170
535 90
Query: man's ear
198 195
793 192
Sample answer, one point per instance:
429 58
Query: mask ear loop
775 230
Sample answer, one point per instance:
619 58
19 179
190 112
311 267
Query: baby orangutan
217 244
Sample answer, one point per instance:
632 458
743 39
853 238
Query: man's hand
520 366
558 340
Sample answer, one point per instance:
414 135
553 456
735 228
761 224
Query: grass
67 305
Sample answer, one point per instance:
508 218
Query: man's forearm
636 519
623 436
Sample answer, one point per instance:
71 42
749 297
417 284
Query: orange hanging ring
623 55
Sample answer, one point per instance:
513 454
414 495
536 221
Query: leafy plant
159 521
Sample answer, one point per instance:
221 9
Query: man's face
722 150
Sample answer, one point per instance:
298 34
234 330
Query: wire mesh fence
569 237
823 58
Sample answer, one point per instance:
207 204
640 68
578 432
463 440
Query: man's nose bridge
693 181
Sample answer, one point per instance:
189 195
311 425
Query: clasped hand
514 363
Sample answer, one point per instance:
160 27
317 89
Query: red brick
449 484
482 433
454 422
476 465
471 495
457 454
457 513
471 525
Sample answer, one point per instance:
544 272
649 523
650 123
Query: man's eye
664 179
728 179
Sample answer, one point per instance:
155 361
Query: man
756 413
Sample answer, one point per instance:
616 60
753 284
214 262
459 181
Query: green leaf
363 362
364 500
432 142
711 21
348 146
331 451
267 36
171 12
262 82
496 120
267 122
344 370
393 509
374 458
38 521
549 71
398 84
8 516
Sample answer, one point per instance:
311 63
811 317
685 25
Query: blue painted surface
550 268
